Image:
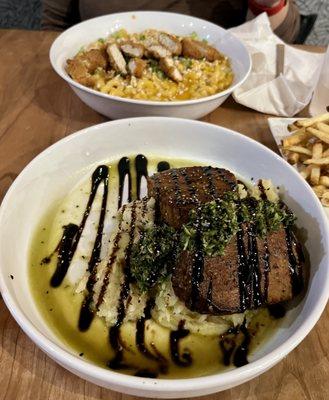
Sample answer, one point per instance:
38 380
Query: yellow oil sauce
60 307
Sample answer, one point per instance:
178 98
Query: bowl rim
63 74
96 373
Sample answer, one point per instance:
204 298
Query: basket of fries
306 146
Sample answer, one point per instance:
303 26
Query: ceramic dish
54 172
70 41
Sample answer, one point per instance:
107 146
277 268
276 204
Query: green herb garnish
153 256
101 40
218 223
268 216
120 34
194 36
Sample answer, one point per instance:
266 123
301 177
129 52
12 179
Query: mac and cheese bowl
205 83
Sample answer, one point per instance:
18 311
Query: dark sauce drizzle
240 356
64 248
116 362
296 280
124 170
100 175
184 360
243 269
140 339
276 311
253 263
141 171
233 353
86 312
110 263
163 166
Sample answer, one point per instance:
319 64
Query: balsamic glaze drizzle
100 175
141 171
296 280
276 311
86 313
185 359
64 248
241 353
232 352
253 263
163 166
243 270
197 267
124 170
140 339
116 362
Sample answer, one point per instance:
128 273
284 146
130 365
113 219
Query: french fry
300 150
296 138
320 161
316 154
324 180
319 134
293 158
307 147
306 171
317 150
319 190
310 121
292 127
325 198
322 127
325 153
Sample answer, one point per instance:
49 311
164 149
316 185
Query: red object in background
257 9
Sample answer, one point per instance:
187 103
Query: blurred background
26 14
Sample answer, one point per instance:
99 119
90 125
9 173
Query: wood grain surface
37 108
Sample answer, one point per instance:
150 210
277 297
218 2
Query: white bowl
56 170
69 42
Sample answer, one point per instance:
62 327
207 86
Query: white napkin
320 100
286 94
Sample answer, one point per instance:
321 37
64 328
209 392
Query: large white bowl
56 170
69 42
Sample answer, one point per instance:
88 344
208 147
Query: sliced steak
178 190
220 286
252 272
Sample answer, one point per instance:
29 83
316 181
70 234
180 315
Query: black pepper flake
81 354
50 309
47 291
77 206
63 211
252 179
11 277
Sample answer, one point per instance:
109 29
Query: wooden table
37 108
